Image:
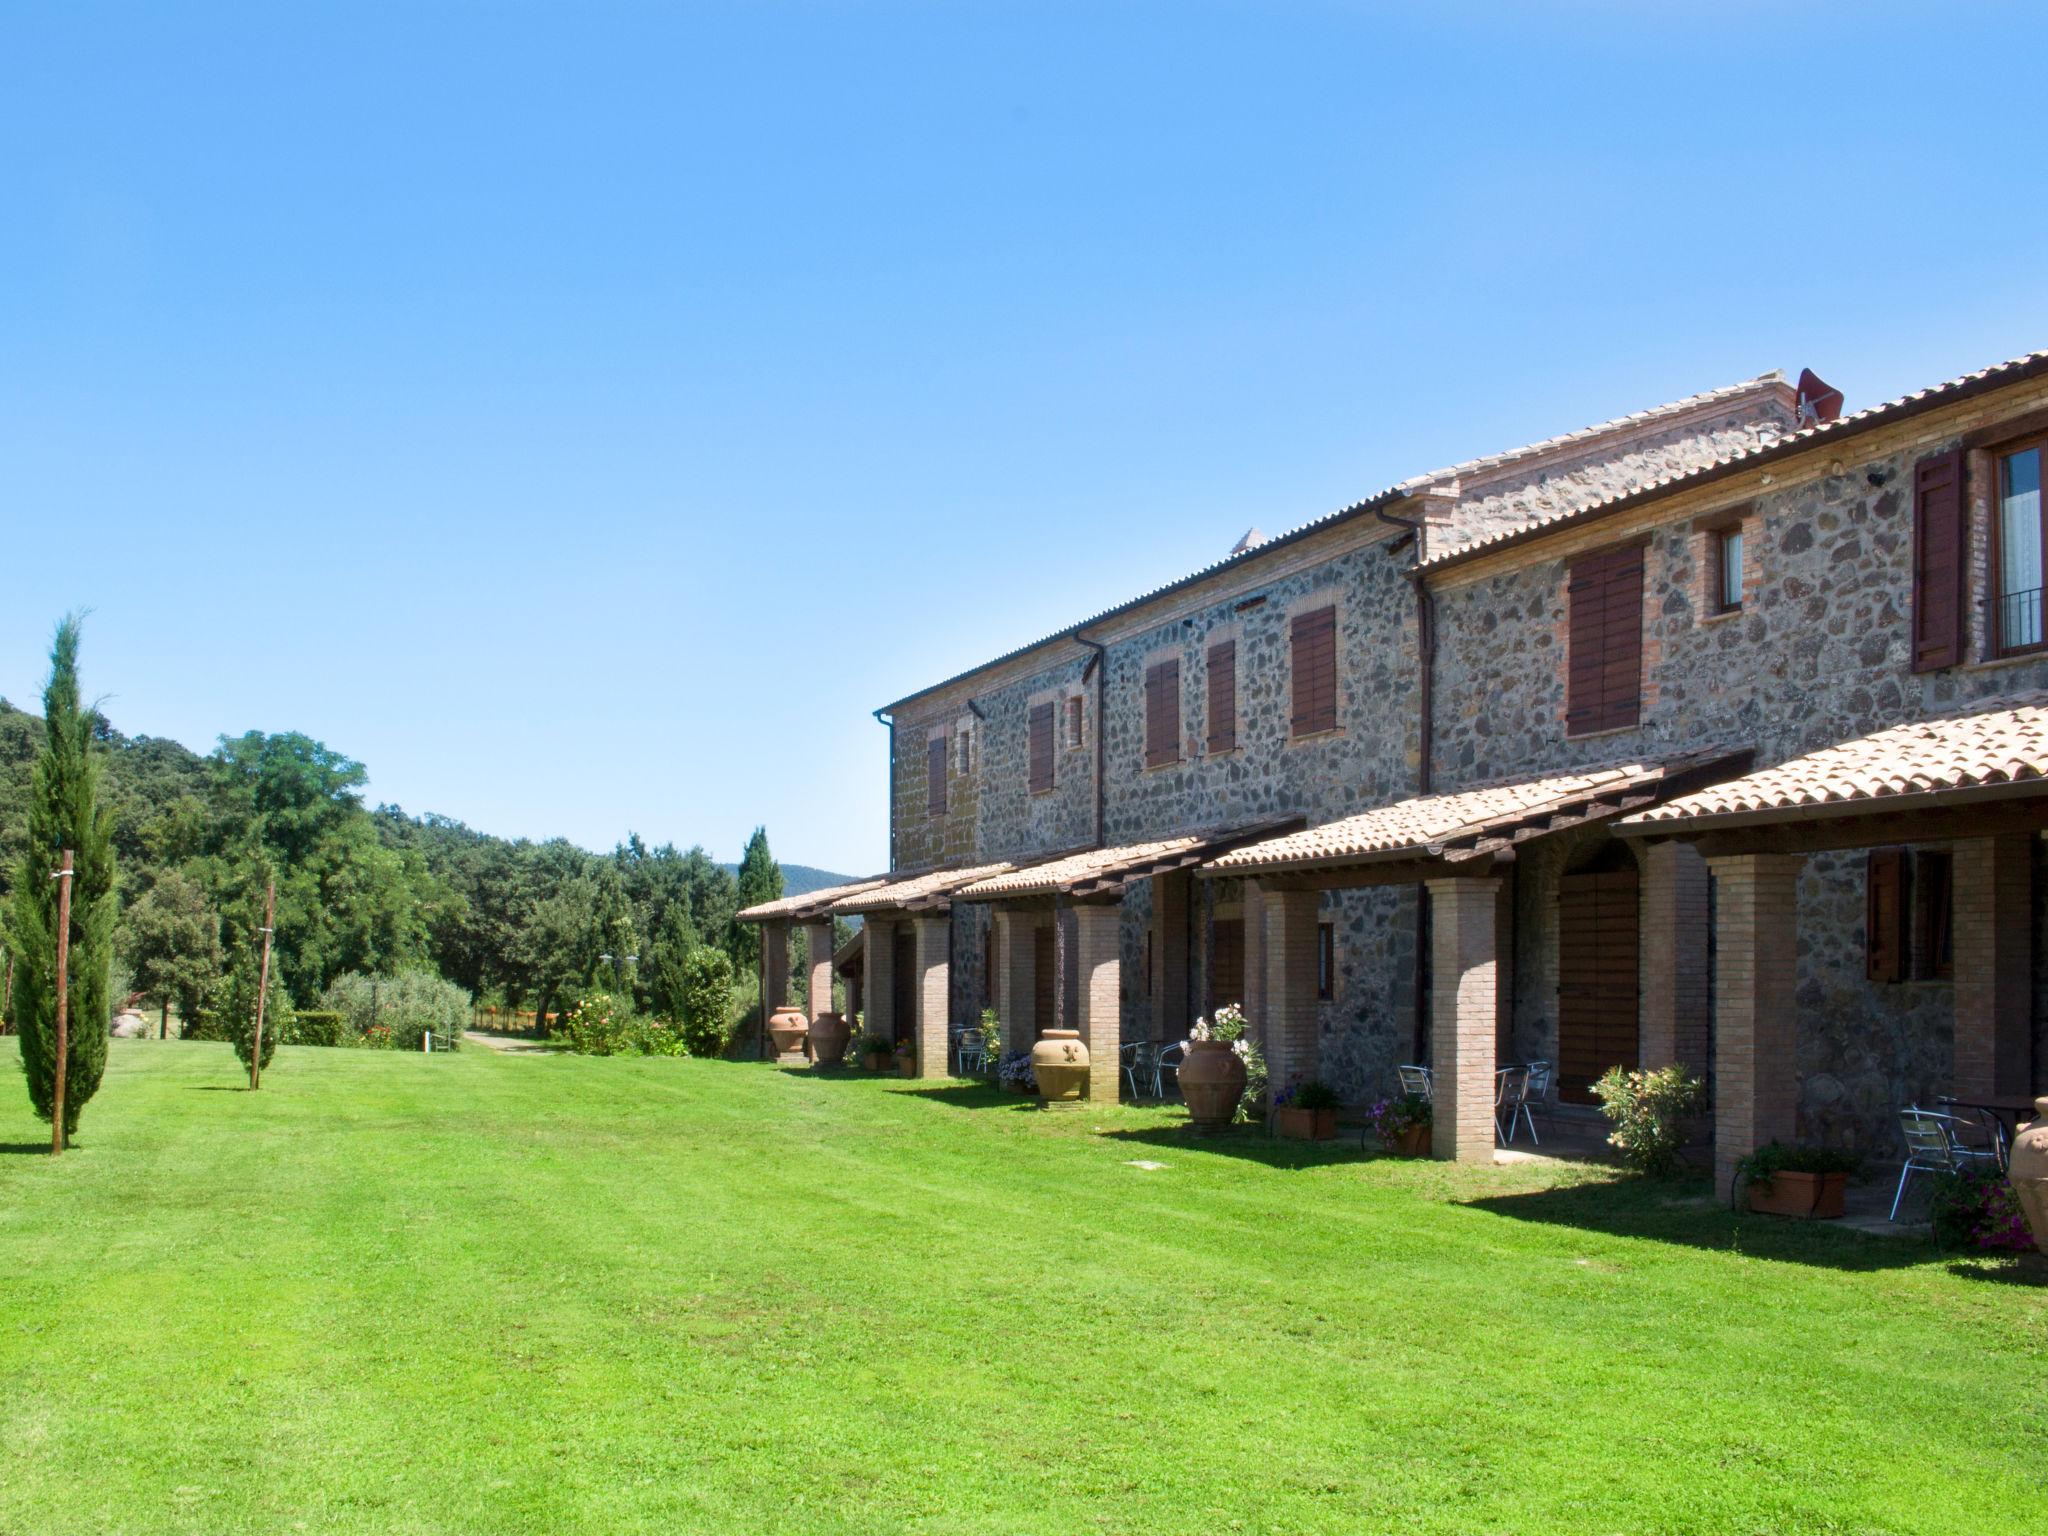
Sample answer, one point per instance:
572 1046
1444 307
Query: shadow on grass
29 1148
1251 1143
961 1094
2027 1269
1682 1212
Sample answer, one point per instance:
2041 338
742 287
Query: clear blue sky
552 407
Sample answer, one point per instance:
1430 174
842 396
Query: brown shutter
1162 713
1041 747
1315 672
1938 561
935 775
1598 994
1884 916
1604 664
1226 961
1223 697
1932 953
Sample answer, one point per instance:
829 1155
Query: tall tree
64 811
666 968
760 879
170 938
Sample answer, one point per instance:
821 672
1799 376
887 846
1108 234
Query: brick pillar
1463 1016
1756 1024
1255 958
879 983
1098 970
1993 886
1290 1040
818 938
933 994
1017 959
1170 956
1674 957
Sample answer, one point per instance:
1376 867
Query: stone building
1433 778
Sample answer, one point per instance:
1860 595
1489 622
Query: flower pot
1212 1082
878 1061
2028 1173
1306 1124
1019 1085
1817 1195
1060 1063
788 1028
1415 1141
829 1035
906 1064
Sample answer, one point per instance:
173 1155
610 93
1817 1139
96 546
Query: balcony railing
2019 620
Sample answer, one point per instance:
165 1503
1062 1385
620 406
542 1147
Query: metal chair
1978 1133
1930 1147
1136 1058
1511 1099
1168 1060
1415 1080
971 1051
955 1033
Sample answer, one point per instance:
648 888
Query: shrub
599 1025
707 1021
319 1026
1768 1161
1976 1208
882 1045
1648 1111
1391 1119
395 1011
1311 1093
1014 1071
657 1037
237 1009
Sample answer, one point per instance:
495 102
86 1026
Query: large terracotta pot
829 1036
788 1027
1212 1081
879 1061
1415 1141
1816 1195
906 1063
1060 1063
1306 1124
2028 1172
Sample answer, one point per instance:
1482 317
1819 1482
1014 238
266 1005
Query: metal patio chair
971 1052
1978 1132
1511 1102
1930 1148
1415 1080
1168 1060
1140 1071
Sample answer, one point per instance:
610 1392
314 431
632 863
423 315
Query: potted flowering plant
906 1058
1307 1111
1796 1181
1403 1124
878 1053
1015 1075
1216 1071
1979 1208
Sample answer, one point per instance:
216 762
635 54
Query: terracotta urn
788 1028
2028 1172
1212 1081
1060 1063
829 1036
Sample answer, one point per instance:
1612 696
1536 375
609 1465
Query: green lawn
545 1294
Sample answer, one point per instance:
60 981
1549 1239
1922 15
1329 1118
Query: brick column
1017 960
1992 915
880 981
1674 957
1290 1041
1255 958
1756 1024
1098 963
1170 956
818 939
1463 1015
934 995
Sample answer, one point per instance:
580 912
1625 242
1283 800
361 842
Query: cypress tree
760 879
64 811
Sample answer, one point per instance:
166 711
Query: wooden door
1044 973
905 981
1226 965
1596 979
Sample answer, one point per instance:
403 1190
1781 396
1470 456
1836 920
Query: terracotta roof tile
2005 742
810 904
930 891
1101 871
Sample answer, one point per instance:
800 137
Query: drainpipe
890 769
1099 665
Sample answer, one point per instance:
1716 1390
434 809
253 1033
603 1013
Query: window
1604 680
1162 713
1223 697
1314 637
1938 562
1727 544
1074 720
1041 748
1326 961
2019 550
964 755
935 776
1933 907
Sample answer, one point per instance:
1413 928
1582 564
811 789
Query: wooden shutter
935 775
1041 747
1315 672
1884 915
1226 961
903 984
1597 984
1604 676
1162 713
1938 561
1044 978
1223 697
1933 878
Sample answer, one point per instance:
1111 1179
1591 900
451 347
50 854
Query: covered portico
1967 789
812 912
1456 846
1090 886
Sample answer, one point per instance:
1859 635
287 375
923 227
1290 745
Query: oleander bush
1649 1112
706 1026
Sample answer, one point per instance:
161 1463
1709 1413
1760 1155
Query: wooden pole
263 984
63 879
